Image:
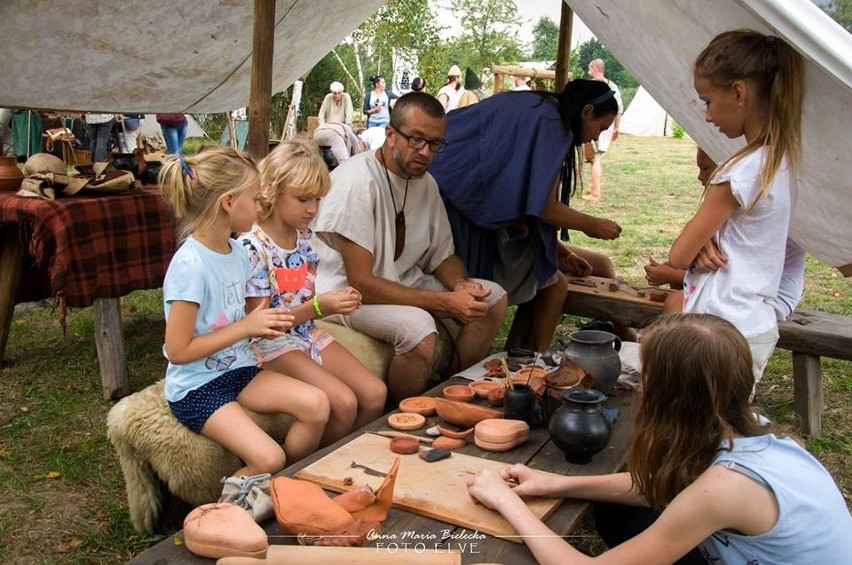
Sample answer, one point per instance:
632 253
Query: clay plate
423 405
462 393
464 414
404 421
482 388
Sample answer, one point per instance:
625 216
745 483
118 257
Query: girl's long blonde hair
194 184
778 71
696 383
295 167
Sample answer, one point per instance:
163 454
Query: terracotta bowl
461 393
482 388
464 414
404 421
423 405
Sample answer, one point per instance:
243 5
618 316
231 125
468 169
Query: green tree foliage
409 24
545 41
594 49
489 33
840 11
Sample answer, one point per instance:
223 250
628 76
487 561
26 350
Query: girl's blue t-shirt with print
217 284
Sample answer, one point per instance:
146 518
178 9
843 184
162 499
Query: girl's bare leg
270 392
231 427
369 389
342 400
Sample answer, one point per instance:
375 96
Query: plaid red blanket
87 247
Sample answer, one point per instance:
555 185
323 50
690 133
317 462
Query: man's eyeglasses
436 145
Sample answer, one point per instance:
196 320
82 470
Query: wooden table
84 250
539 452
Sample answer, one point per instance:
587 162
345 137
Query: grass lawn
60 482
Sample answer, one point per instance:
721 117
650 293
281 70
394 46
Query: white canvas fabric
196 57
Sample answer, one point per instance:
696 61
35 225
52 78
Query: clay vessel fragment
449 443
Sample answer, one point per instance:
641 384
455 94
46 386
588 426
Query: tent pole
263 43
232 131
563 54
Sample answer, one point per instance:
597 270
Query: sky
529 11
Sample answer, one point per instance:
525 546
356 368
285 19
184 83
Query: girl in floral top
284 265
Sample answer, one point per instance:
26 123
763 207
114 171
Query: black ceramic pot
597 353
579 428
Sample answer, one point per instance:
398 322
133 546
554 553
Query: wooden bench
808 334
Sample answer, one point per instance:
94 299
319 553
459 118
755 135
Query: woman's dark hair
418 84
570 103
375 80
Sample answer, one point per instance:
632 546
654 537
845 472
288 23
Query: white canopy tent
645 117
196 58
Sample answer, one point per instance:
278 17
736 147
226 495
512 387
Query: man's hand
467 302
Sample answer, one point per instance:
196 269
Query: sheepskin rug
153 447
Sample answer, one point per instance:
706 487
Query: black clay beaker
519 403
597 353
579 428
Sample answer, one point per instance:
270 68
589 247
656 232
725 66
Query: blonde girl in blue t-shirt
212 373
284 266
752 87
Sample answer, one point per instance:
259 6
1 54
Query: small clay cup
463 393
519 403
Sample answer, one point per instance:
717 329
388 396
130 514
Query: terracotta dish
495 397
464 414
482 388
454 434
423 405
404 445
500 435
463 393
403 421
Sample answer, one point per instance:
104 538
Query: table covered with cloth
81 248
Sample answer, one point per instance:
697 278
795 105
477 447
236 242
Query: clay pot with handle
10 175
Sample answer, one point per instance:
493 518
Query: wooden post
261 78
12 252
232 132
808 397
563 53
109 341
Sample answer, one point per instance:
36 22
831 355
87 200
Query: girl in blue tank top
715 483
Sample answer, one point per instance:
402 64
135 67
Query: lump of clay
434 454
405 445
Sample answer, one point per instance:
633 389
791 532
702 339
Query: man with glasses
383 229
